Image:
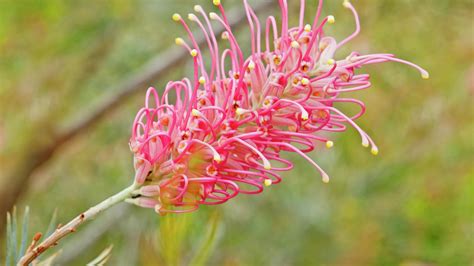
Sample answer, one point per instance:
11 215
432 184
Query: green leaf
102 258
14 240
8 259
50 260
52 224
24 232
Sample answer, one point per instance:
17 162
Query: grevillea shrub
233 118
223 131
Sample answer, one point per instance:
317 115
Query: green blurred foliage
411 205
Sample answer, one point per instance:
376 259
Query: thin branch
93 232
157 68
72 226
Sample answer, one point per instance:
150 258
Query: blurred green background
411 205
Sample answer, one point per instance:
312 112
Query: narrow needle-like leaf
102 258
24 232
14 243
8 259
52 223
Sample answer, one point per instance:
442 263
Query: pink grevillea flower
226 130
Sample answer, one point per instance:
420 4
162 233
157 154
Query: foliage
17 247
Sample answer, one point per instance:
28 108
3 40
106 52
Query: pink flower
228 125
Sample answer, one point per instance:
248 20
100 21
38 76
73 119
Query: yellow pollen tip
304 116
251 65
295 44
365 144
267 166
202 80
346 4
193 53
192 17
331 19
304 81
329 144
240 111
217 158
216 2
195 112
267 182
225 35
425 75
176 17
197 8
331 62
307 28
179 41
213 15
374 150
325 178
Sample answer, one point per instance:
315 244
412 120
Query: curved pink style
229 123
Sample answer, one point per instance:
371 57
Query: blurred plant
17 247
229 124
173 231
102 258
172 244
209 241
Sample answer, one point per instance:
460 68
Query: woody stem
71 227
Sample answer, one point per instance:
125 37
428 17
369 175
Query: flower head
229 123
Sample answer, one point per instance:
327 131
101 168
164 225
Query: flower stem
34 251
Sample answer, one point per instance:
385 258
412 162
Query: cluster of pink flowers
226 130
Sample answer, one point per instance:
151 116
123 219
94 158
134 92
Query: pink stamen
227 125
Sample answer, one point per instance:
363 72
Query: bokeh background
411 205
